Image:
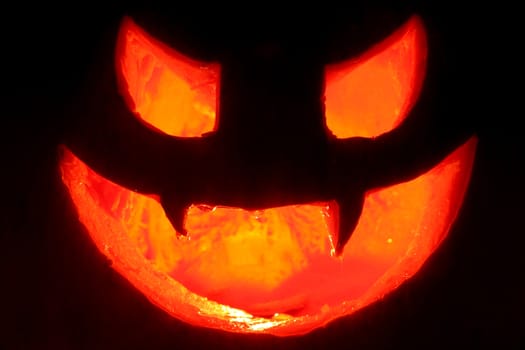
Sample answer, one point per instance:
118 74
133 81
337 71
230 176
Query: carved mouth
263 270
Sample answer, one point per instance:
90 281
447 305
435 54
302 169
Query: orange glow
271 270
267 271
373 93
168 91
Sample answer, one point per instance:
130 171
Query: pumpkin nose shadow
271 101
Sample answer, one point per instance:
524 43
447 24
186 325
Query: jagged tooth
175 210
350 208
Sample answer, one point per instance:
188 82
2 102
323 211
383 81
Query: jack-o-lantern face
245 265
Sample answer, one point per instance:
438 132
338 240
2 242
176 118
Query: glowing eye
167 90
372 94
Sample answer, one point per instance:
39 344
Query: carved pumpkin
285 254
60 291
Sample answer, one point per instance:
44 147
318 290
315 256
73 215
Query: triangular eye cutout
166 90
372 94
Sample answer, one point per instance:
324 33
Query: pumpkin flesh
272 270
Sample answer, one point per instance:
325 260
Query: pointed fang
350 208
176 213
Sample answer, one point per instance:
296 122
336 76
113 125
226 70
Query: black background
58 292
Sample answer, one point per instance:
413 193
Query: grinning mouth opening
259 271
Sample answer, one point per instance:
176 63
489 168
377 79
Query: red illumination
373 93
272 270
168 91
